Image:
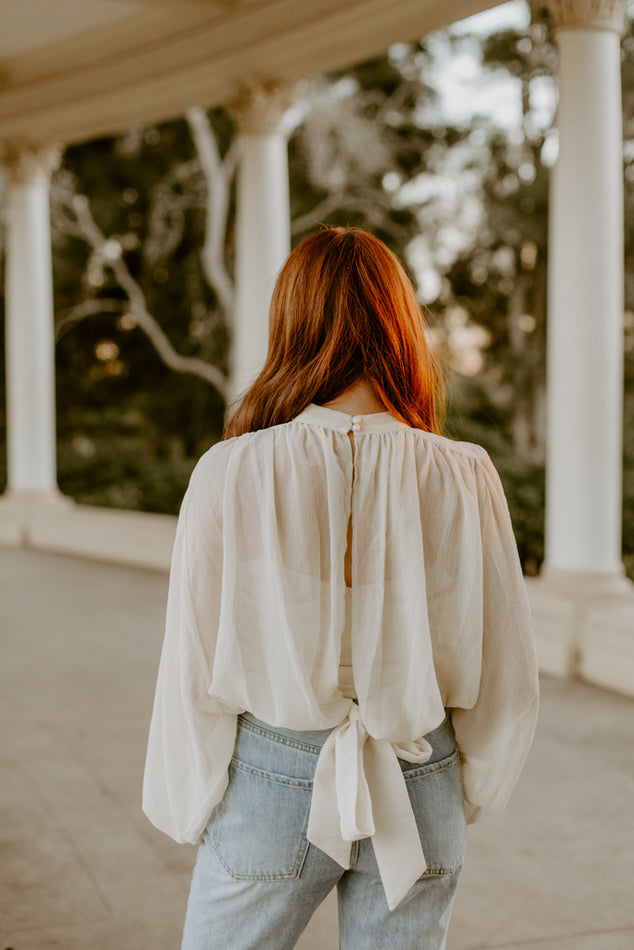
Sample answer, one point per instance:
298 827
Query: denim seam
438 872
282 740
442 872
431 767
306 783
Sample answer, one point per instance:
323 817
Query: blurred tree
143 229
499 279
358 142
128 229
143 259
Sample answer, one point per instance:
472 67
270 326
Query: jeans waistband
313 739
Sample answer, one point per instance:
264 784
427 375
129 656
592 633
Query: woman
348 673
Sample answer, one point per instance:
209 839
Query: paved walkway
82 869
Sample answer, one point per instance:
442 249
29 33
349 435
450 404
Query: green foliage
114 459
169 406
120 474
472 418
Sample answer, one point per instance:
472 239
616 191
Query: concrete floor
82 869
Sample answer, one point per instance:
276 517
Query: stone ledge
58 525
607 647
554 620
584 626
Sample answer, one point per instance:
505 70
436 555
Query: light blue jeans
257 880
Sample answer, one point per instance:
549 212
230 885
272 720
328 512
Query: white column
585 296
262 222
30 344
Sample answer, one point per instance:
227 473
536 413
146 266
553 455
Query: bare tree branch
137 303
87 308
320 211
218 175
231 159
367 204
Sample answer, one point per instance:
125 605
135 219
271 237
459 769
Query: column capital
258 107
25 160
583 14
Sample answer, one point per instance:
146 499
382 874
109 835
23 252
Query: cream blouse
438 620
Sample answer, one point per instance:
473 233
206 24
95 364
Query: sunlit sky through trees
468 96
465 89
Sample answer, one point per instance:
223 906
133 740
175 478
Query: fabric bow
359 791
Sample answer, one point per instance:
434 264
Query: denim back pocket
259 829
435 791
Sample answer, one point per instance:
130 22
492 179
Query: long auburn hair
343 309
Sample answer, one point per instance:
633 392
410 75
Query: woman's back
353 577
283 498
438 612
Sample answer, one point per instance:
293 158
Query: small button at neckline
347 422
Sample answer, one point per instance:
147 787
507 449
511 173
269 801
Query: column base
21 510
584 625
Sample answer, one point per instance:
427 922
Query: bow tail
324 829
396 841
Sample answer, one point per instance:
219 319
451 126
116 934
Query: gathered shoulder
221 451
471 449
214 462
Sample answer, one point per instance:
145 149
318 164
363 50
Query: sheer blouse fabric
438 621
